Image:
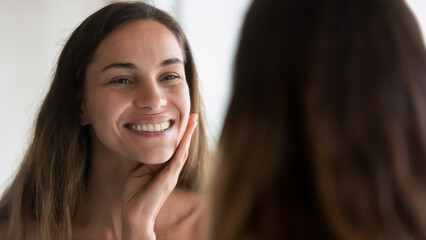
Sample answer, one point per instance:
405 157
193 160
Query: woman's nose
150 96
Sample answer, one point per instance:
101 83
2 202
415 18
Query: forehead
137 39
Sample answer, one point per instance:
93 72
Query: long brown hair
325 135
51 178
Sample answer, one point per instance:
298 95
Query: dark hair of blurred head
325 135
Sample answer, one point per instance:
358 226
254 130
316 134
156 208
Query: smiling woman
126 90
120 127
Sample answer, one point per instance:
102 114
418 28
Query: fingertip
195 117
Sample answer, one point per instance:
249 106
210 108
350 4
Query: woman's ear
83 114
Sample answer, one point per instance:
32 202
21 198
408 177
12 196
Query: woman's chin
156 158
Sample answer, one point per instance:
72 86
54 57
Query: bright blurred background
32 33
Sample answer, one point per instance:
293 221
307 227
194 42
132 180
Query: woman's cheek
185 110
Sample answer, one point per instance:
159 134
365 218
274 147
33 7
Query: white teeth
150 128
157 127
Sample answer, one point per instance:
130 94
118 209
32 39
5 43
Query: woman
325 134
112 137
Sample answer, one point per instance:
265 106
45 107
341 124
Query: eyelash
167 77
125 81
121 81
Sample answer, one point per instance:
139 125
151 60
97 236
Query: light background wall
32 33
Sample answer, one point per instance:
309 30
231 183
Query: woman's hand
148 188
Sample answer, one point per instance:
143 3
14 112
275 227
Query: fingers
163 184
172 169
181 153
183 147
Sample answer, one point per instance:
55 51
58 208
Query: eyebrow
119 65
171 61
164 63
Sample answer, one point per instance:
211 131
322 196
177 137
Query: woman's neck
100 208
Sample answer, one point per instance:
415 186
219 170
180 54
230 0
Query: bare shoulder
183 216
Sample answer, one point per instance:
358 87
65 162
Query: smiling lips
157 127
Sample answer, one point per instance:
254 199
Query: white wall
32 33
419 9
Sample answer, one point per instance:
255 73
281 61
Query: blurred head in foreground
325 135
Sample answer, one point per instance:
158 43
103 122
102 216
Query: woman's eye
171 77
121 81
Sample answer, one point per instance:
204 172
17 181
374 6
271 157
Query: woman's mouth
151 127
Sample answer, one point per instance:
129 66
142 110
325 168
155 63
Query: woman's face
136 97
